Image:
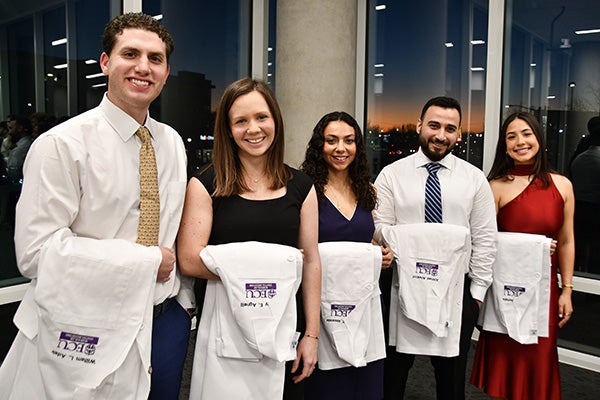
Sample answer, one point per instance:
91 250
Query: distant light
90 61
378 75
60 66
551 97
532 64
560 131
29 104
50 74
571 84
477 41
449 44
378 65
92 76
380 7
476 69
99 85
59 42
269 64
269 49
507 106
269 74
158 17
587 31
189 140
207 137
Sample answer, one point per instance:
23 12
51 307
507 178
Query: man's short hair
135 21
444 102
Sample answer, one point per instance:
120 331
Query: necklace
334 194
256 180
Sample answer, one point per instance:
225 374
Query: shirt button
150 369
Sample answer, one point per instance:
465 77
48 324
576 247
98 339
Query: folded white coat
248 325
427 287
517 303
351 315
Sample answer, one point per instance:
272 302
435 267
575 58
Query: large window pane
552 71
419 50
211 51
55 61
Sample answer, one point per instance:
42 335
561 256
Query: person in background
529 198
336 160
466 201
20 133
246 194
40 123
105 312
585 175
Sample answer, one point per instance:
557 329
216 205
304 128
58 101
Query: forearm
311 296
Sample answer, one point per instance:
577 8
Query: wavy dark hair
503 163
314 164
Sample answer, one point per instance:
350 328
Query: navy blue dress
350 382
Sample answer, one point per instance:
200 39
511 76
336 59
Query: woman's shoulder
300 176
562 183
206 176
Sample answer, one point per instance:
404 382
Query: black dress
236 219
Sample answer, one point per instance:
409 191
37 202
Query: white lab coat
92 319
351 316
427 287
518 301
247 328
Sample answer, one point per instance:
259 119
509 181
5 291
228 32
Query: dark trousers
170 337
449 371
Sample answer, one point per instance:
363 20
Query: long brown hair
503 163
226 161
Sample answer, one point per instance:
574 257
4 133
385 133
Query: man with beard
404 195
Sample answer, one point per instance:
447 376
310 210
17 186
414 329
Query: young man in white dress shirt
104 316
466 201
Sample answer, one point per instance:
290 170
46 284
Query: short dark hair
135 21
444 102
594 129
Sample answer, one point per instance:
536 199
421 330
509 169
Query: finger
295 365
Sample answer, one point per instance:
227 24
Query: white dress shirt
84 175
467 200
76 228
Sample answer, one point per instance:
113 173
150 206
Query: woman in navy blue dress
336 161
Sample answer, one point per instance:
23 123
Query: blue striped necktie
433 195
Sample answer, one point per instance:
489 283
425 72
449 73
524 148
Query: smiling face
252 125
339 147
137 69
438 131
521 144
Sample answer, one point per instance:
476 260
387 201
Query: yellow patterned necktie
149 198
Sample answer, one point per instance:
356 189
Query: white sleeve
384 213
483 239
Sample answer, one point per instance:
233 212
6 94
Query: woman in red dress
529 199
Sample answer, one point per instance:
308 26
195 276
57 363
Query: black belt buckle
161 308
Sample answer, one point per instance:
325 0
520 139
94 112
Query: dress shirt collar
121 122
421 160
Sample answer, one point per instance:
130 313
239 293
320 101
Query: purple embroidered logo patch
513 291
427 269
261 290
341 310
77 343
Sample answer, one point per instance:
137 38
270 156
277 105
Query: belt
162 307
